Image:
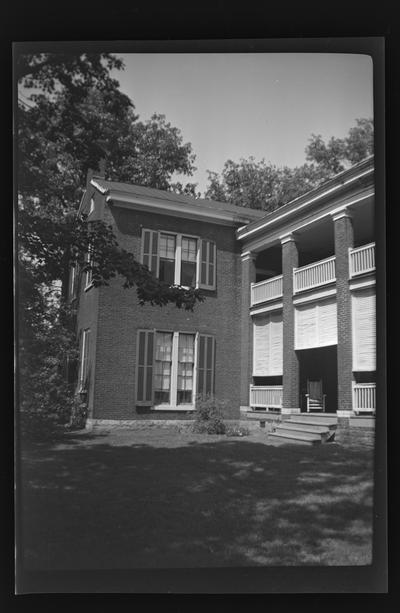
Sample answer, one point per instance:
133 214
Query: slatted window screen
150 250
205 365
364 330
144 369
268 345
207 265
316 324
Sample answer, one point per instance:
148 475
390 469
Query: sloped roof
158 194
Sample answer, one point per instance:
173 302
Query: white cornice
102 190
274 235
315 295
362 282
276 306
295 209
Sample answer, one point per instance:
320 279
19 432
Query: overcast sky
233 105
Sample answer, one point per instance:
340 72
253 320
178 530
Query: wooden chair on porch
315 396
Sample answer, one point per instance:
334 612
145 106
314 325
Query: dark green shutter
205 364
208 264
144 367
150 249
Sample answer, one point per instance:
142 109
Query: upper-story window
180 259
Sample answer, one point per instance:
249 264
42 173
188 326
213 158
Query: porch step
313 421
261 415
302 437
325 432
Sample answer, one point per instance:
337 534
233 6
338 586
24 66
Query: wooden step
326 433
329 422
303 427
300 437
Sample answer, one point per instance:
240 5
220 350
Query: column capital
287 238
341 214
248 255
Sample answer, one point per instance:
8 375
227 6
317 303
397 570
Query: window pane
185 368
188 274
162 368
189 249
167 271
167 246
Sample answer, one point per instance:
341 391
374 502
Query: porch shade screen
267 345
144 367
316 324
205 364
364 330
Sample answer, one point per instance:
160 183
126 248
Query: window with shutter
144 367
205 364
180 259
84 361
364 330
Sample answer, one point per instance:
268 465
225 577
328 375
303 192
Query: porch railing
262 396
364 397
266 290
314 275
362 260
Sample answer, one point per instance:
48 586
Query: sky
237 105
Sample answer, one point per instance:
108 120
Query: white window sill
88 287
168 407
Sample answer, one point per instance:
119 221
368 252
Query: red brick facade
119 316
344 239
290 379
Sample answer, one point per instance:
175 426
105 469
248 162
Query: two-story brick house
288 323
145 362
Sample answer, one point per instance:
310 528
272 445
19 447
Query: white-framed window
180 259
88 273
171 367
84 360
73 282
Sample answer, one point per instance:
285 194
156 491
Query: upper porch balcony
317 274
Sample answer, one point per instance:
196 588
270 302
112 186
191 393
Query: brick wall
120 316
291 370
343 241
248 277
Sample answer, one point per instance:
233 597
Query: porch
269 398
316 274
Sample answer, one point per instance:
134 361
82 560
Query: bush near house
208 415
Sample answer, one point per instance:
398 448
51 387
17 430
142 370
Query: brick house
288 324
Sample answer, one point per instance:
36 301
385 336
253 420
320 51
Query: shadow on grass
91 504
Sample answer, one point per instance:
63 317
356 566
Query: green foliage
71 115
261 185
237 431
208 415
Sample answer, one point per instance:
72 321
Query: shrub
237 431
208 415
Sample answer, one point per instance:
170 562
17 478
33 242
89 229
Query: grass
162 498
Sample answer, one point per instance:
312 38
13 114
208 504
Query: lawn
163 498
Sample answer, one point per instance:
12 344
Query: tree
71 115
262 185
340 153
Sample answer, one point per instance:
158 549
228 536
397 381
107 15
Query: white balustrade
364 397
314 275
262 396
362 260
266 290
